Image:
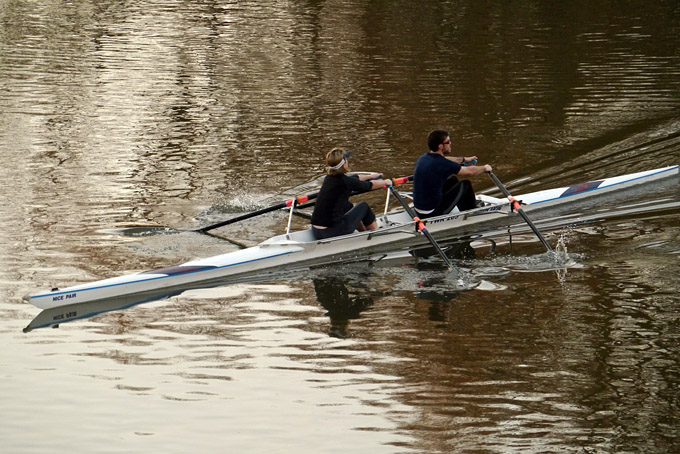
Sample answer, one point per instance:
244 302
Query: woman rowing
334 214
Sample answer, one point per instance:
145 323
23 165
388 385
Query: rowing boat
299 250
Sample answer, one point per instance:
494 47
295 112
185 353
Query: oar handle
402 180
518 207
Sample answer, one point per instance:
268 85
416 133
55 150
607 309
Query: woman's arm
377 184
375 179
369 176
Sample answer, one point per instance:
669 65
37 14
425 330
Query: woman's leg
330 232
360 217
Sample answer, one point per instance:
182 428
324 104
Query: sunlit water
178 115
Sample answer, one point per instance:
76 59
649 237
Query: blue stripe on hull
164 275
179 269
583 187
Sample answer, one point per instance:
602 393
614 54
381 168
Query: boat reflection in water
69 313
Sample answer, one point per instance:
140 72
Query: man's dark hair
435 138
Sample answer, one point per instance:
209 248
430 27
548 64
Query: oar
285 204
517 207
278 206
421 226
141 231
298 202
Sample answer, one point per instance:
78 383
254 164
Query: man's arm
472 171
461 159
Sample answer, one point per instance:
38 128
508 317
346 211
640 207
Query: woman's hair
436 138
335 157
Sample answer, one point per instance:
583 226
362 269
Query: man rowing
436 188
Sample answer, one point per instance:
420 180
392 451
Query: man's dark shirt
431 172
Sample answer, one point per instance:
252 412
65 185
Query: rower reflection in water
342 306
334 214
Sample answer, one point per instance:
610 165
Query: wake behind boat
299 250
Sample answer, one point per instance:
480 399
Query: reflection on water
148 113
333 295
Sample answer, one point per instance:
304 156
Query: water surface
181 114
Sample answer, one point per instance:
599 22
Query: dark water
180 114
